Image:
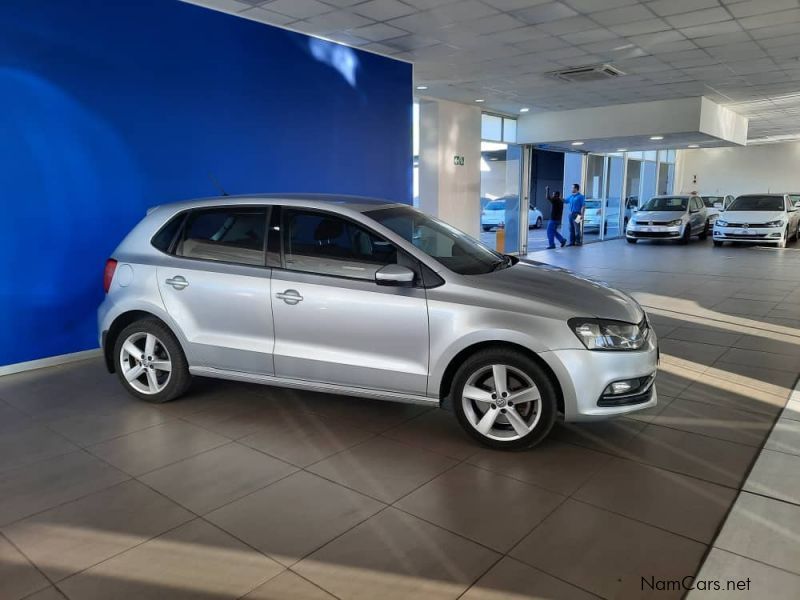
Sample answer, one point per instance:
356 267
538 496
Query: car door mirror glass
397 275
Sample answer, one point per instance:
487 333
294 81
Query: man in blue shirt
576 203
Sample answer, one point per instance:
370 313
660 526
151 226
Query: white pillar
448 189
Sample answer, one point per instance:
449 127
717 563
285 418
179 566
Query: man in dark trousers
577 205
556 213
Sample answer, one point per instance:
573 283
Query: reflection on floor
245 491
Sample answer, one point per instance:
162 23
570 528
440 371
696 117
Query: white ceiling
744 54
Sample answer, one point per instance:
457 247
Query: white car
758 219
592 215
715 205
494 213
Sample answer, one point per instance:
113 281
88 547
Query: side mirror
396 275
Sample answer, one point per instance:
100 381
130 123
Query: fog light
620 387
626 386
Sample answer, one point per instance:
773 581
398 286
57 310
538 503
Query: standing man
556 213
577 204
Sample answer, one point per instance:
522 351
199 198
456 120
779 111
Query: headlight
601 334
675 223
778 223
721 222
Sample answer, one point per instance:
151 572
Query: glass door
633 183
595 198
612 210
501 210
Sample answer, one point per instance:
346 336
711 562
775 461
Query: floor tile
288 586
18 577
30 443
302 438
11 418
394 556
558 467
759 358
87 428
776 475
213 478
671 382
50 593
606 553
647 415
763 529
761 581
785 437
770 342
730 393
777 382
241 424
792 410
437 431
748 308
293 517
722 422
700 456
510 579
149 449
705 335
605 436
677 503
689 355
382 468
79 534
376 416
196 560
493 510
26 491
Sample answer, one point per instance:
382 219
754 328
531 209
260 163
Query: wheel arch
121 322
462 355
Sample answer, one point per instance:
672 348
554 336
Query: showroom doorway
547 170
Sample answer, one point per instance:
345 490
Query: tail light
108 274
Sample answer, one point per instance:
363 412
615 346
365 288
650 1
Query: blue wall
108 107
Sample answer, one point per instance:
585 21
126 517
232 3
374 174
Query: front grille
652 234
747 225
747 236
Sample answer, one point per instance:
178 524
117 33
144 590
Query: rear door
216 287
333 322
697 214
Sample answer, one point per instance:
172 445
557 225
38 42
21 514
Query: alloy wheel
145 363
501 402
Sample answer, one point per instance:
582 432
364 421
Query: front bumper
756 235
654 232
585 374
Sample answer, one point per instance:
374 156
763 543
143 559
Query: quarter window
233 234
323 243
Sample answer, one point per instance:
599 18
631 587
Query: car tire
489 420
717 243
704 234
784 239
487 228
164 374
687 235
631 240
538 223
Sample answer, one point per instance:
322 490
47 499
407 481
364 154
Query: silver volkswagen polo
371 299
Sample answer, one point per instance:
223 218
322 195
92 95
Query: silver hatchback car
371 299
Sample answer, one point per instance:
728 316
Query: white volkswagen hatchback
758 219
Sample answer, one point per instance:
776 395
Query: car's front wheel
504 399
631 240
150 362
538 223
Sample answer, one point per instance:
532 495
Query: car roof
355 203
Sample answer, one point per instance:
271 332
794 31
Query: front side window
452 248
666 203
232 234
326 244
770 203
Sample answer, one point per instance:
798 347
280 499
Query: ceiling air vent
586 74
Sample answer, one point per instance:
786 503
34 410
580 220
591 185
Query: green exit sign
458 160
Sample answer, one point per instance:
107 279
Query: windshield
710 201
593 204
666 203
496 205
771 203
454 249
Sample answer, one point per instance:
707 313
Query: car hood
751 216
554 287
658 215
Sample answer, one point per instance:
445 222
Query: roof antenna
217 184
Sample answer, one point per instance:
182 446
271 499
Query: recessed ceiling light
656 137
422 87
479 100
577 144
622 149
526 109
693 146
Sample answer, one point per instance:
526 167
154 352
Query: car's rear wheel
538 222
687 234
704 234
504 399
150 362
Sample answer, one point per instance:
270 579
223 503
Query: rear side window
232 234
163 239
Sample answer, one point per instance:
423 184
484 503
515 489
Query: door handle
177 282
290 296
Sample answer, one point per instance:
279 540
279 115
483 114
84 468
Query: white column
449 190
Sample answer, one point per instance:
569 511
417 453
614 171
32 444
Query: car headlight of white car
675 223
721 222
601 334
776 223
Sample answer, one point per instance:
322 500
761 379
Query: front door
217 289
333 323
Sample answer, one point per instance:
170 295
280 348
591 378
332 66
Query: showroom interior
472 112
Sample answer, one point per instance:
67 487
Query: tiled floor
245 491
